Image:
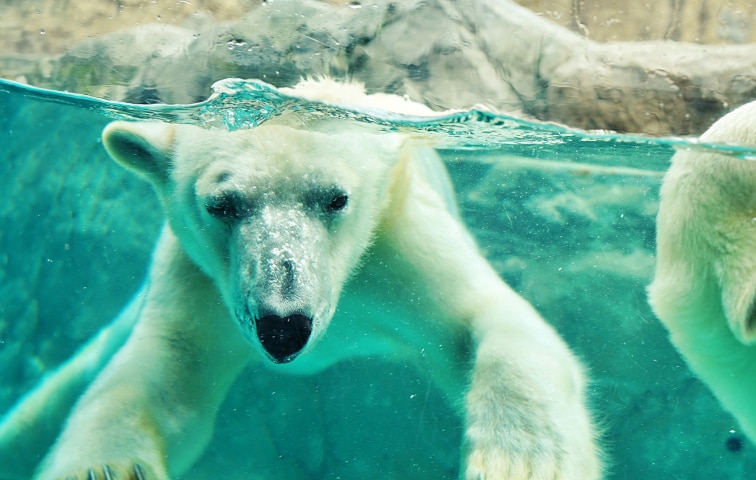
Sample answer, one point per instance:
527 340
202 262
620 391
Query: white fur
705 284
353 95
407 278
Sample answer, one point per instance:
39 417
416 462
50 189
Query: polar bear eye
223 206
338 202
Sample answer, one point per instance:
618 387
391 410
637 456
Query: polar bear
704 289
296 245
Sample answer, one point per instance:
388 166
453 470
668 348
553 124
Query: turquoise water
566 217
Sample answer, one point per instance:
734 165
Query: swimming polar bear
704 289
296 246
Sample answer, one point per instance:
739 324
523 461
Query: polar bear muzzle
283 338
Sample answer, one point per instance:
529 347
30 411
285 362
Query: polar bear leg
526 413
32 425
157 398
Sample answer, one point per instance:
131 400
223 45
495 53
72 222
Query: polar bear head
277 217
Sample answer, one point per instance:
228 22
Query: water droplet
355 5
42 32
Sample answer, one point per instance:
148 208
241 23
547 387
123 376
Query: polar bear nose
283 337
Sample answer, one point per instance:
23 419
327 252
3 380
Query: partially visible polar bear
705 285
299 245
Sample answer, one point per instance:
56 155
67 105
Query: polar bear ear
145 147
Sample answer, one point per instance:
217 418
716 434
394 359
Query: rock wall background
52 26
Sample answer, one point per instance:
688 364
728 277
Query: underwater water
565 217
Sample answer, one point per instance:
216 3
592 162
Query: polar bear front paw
497 464
133 471
525 440
531 449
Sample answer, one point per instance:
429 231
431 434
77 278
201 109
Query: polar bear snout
282 290
283 338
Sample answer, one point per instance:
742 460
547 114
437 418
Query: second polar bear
296 246
705 285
